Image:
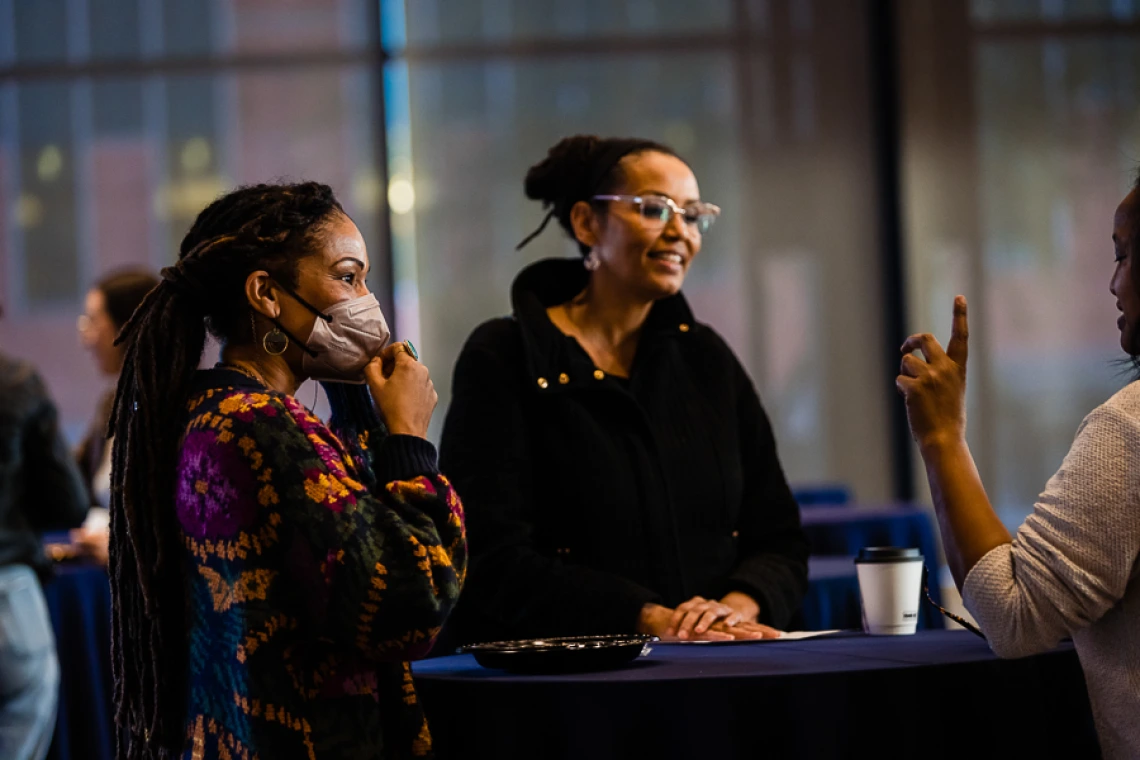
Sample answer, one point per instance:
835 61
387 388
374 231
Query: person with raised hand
1071 569
272 575
619 471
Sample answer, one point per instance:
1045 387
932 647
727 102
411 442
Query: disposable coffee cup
890 584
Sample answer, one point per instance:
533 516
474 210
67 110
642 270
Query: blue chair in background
822 495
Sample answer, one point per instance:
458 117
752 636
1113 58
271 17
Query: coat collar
218 377
554 359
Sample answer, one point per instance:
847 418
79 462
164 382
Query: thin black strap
300 343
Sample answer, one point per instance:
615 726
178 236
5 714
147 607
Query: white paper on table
797 635
784 636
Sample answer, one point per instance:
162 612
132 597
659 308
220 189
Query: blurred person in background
40 490
618 469
1073 567
271 578
108 306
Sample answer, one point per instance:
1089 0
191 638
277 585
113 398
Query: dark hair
123 291
577 168
266 227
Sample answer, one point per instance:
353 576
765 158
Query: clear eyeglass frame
658 209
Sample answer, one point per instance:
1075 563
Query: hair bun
565 167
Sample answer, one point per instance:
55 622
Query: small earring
275 342
592 262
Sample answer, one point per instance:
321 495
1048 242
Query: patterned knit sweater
317 566
1072 570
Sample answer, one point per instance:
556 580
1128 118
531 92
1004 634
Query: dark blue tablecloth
934 694
79 601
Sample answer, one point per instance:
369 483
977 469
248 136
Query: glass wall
121 119
1015 164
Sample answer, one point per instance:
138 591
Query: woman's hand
749 611
746 630
91 543
658 621
402 390
935 389
748 608
692 619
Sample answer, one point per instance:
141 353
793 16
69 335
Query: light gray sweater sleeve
1071 560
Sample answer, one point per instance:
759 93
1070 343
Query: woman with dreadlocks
271 578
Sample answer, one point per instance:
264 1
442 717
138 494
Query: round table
934 694
79 602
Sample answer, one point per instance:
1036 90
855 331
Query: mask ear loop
300 343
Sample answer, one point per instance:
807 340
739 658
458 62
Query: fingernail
683 635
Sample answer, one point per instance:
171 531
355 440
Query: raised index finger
958 347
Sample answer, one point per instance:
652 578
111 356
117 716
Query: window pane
1016 164
192 178
272 26
188 27
122 164
46 205
1057 148
432 22
41 31
331 140
153 152
991 11
115 32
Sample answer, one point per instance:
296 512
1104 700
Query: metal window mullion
15 300
83 183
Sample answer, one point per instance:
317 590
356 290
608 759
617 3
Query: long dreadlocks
266 227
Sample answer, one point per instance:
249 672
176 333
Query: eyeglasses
659 210
956 618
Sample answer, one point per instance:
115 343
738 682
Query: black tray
566 654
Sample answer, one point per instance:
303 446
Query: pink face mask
344 339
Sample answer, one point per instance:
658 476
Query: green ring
412 350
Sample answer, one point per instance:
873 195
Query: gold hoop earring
275 342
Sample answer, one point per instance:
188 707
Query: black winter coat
588 496
40 486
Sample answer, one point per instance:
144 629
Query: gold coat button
684 327
542 382
599 375
563 378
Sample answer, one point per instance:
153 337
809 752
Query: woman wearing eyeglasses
108 306
618 469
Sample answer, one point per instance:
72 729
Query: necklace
252 374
